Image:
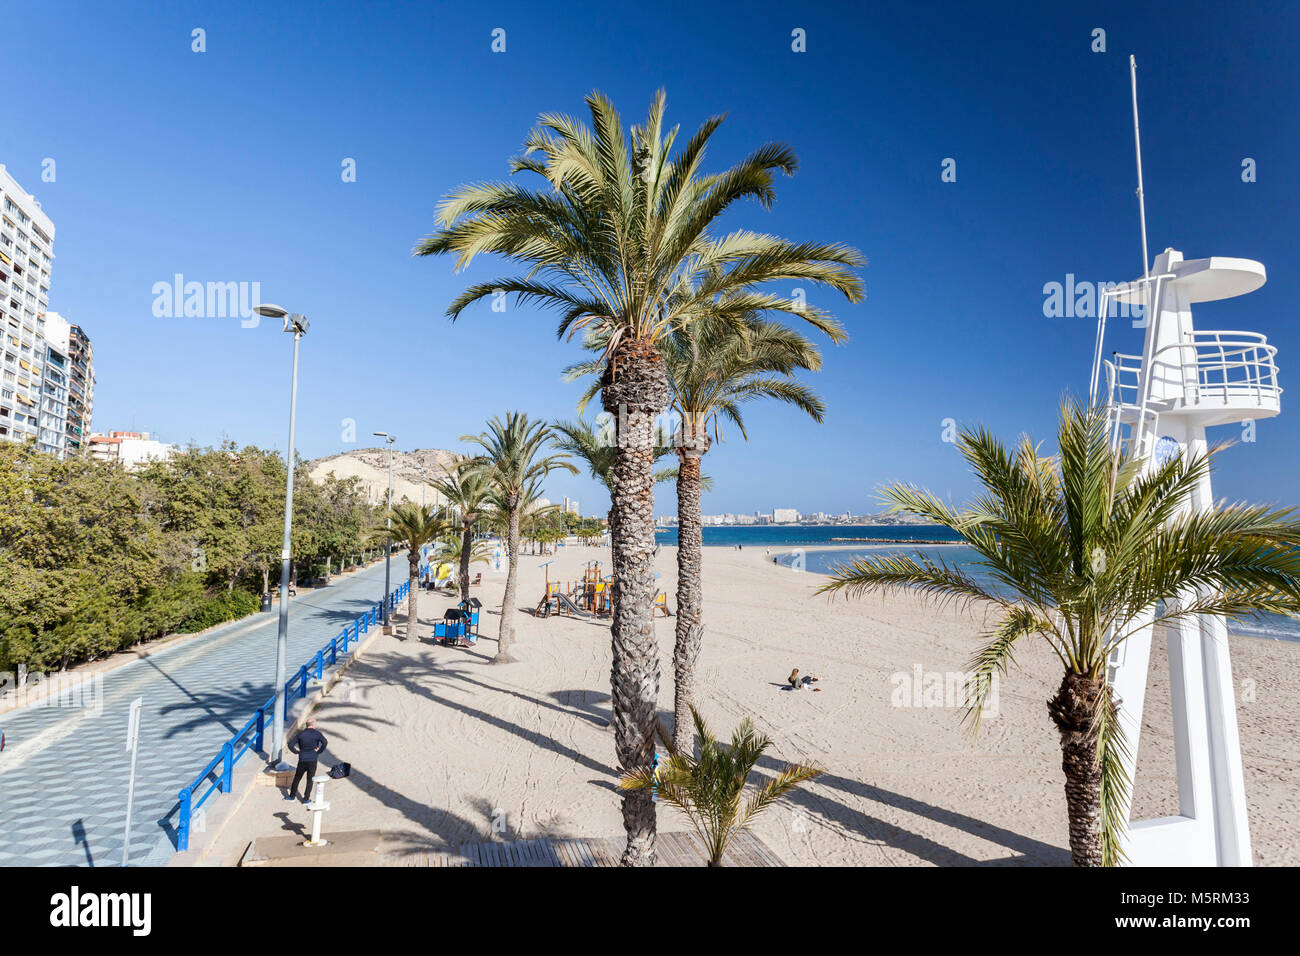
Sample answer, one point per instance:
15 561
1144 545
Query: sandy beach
448 749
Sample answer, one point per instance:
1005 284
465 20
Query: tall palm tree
714 369
618 240
466 489
710 788
1086 549
513 463
416 527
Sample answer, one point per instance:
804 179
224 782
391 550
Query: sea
818 549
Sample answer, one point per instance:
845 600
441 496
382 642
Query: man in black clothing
309 744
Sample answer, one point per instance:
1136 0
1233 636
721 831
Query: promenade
64 772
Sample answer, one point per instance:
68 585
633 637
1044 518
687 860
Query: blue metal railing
251 736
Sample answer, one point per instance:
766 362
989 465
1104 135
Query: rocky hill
411 471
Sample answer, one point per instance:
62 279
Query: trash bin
266 601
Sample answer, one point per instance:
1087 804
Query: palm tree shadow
1024 850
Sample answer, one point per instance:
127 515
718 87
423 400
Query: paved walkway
673 849
64 772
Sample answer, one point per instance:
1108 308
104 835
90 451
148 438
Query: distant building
26 257
68 386
785 515
571 507
132 449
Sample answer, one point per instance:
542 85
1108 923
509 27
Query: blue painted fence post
183 821
320 663
259 736
227 767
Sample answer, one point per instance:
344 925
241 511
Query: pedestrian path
672 849
64 772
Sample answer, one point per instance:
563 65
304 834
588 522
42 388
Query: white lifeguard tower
1161 402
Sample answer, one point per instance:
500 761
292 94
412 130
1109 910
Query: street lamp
388 543
297 324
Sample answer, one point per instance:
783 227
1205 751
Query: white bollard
318 806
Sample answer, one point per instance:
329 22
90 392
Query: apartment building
69 385
47 378
26 256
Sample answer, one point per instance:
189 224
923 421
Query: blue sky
225 166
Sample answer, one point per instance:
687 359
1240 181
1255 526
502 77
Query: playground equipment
661 604
459 625
589 596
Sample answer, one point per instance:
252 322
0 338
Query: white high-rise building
26 257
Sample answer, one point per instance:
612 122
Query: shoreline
1278 638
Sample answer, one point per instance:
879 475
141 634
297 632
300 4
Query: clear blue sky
225 166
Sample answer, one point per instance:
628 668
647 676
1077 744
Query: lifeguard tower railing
217 776
1233 369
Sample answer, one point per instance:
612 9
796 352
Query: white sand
447 748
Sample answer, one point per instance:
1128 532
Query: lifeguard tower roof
1203 280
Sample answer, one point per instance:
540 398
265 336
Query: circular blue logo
1166 450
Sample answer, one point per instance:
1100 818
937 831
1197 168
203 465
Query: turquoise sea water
810 543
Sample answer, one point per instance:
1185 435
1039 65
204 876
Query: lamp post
388 542
297 324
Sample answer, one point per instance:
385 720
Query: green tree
1087 548
513 463
714 369
415 527
466 489
710 788
618 240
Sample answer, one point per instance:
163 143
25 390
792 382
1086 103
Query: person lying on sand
799 683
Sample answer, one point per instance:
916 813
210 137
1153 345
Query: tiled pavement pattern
63 775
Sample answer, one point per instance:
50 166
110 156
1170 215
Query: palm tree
714 370
513 465
417 527
459 552
466 489
598 448
618 240
1086 549
709 788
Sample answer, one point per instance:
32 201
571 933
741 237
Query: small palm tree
710 788
456 553
416 527
466 489
513 463
1086 549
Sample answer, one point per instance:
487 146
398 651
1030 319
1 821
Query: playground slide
572 608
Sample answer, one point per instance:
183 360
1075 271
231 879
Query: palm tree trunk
412 613
690 630
635 390
1074 710
506 635
466 542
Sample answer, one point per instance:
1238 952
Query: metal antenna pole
1137 145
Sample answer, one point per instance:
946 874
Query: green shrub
226 606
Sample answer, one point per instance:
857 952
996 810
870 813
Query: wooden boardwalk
675 849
